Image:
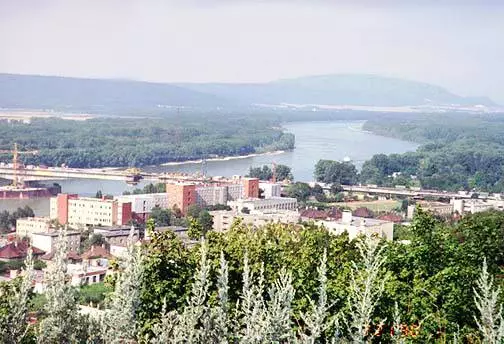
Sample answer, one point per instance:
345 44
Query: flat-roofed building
142 204
25 227
223 219
265 205
356 226
86 211
270 190
47 241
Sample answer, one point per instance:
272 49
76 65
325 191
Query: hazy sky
458 44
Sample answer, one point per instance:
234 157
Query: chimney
347 217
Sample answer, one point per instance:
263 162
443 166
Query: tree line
284 283
127 142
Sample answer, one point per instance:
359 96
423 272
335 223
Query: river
314 140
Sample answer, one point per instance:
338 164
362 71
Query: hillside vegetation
122 142
458 152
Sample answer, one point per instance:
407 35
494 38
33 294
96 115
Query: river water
334 140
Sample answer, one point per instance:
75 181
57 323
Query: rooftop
17 250
56 233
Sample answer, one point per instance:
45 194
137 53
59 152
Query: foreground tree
13 322
62 323
120 322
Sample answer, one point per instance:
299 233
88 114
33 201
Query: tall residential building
142 204
270 190
181 195
84 211
251 187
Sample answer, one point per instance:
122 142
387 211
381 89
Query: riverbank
227 158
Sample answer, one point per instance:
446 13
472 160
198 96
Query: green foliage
93 293
330 172
148 189
8 220
161 217
283 172
121 142
458 152
301 191
99 194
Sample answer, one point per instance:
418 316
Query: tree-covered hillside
138 142
458 152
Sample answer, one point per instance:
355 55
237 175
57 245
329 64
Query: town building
142 204
46 241
183 195
356 226
18 250
223 219
438 208
25 227
471 206
270 190
84 211
116 235
85 275
264 205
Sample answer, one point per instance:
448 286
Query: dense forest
119 142
284 284
459 151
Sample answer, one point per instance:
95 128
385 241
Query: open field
377 206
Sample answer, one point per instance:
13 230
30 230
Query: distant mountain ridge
99 95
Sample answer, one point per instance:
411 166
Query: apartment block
46 241
25 227
142 204
251 187
270 190
181 195
265 205
84 211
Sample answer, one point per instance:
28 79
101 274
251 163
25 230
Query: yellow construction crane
15 162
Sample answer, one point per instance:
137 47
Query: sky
457 44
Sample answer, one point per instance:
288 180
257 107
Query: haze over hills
99 95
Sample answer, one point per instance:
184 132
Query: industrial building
83 211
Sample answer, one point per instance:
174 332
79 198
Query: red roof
362 212
17 250
70 255
391 217
96 252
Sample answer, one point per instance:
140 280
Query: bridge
56 173
402 192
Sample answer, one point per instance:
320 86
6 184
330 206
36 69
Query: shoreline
225 158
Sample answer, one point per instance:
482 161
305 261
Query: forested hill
344 89
135 97
460 152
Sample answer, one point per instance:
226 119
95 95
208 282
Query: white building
223 219
207 195
47 241
142 204
265 205
270 190
25 227
464 206
356 226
